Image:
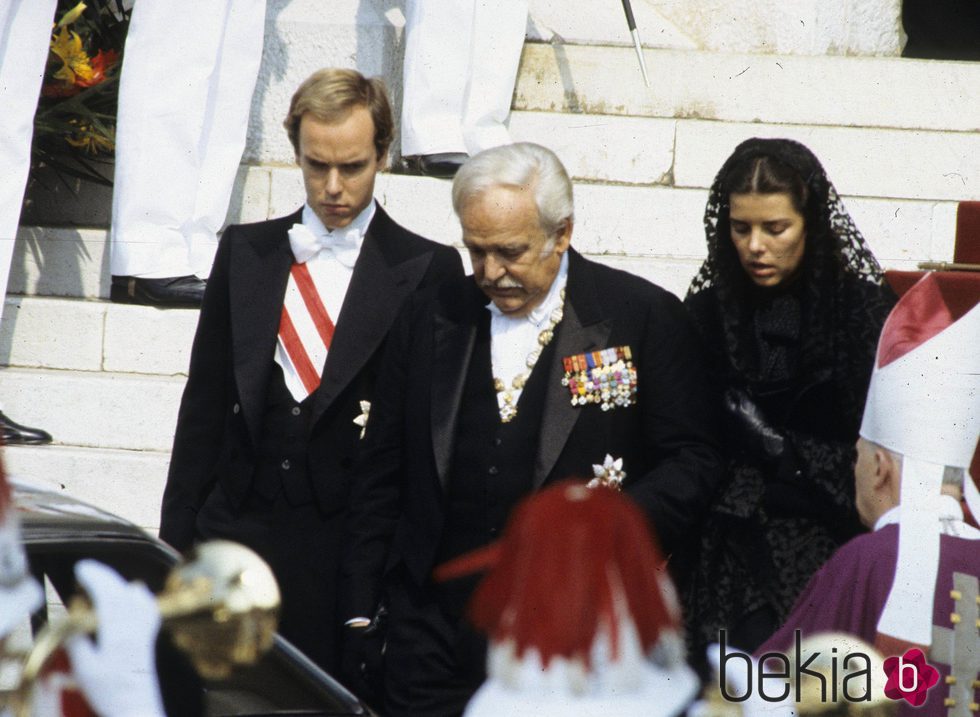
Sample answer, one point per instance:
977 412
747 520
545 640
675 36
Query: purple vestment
848 594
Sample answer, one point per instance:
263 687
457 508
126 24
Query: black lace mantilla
764 536
830 220
834 255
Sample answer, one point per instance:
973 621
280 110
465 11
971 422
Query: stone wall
304 35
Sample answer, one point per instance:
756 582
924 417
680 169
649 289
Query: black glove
753 433
362 660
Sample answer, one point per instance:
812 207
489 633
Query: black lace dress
804 354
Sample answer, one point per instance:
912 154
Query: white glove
118 675
20 595
17 602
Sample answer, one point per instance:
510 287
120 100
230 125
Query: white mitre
924 403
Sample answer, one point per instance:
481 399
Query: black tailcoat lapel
383 277
257 287
582 328
455 330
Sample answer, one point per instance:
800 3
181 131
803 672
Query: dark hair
835 277
770 166
765 174
331 93
778 166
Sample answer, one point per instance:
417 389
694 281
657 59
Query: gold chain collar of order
508 410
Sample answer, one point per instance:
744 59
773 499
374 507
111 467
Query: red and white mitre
580 612
924 403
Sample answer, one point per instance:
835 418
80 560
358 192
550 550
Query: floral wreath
75 122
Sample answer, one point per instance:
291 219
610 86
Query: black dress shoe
443 165
15 434
173 291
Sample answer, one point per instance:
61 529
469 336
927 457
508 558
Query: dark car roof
46 516
55 525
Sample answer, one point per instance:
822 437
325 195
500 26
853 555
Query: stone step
666 223
702 64
60 261
802 27
808 27
95 409
128 483
652 223
866 162
877 92
862 162
95 336
369 34
583 22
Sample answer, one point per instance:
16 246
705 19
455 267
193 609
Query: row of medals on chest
609 383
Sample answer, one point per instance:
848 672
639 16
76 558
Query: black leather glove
362 660
753 433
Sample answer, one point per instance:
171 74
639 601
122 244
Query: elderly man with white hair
541 366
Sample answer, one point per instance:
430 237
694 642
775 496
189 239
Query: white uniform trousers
185 91
461 59
26 31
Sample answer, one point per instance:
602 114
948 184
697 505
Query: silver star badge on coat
608 475
363 418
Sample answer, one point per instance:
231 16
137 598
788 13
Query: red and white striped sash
305 329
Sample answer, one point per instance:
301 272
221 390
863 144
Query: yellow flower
69 17
91 141
67 45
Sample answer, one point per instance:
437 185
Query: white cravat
330 257
344 244
512 339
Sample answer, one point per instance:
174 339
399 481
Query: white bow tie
344 243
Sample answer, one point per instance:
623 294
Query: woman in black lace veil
791 342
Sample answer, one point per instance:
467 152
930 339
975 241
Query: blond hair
331 93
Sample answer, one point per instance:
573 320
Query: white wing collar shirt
329 256
513 340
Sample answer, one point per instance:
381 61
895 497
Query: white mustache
505 282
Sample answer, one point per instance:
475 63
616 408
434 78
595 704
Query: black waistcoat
281 458
493 462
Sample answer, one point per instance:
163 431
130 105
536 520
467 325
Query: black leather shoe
185 291
15 434
443 165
